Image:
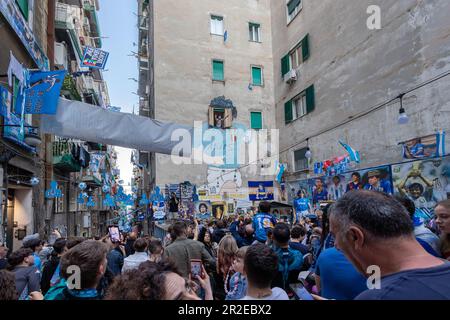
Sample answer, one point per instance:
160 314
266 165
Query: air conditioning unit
291 76
61 55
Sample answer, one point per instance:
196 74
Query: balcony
94 26
69 89
67 24
63 158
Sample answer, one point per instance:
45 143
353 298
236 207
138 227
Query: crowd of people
248 257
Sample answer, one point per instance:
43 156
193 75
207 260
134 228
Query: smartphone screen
196 269
301 292
114 234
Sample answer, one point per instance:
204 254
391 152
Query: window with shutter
285 65
218 73
310 99
305 47
288 112
257 76
256 120
23 6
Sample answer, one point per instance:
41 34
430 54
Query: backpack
288 260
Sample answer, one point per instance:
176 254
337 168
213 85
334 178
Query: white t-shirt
277 294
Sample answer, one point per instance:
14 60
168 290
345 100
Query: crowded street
224 151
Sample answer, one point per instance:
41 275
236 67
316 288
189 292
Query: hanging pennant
144 201
109 201
91 203
80 199
82 185
54 192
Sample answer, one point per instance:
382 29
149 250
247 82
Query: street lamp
308 153
402 116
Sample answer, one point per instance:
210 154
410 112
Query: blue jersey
417 150
384 186
301 204
320 196
261 223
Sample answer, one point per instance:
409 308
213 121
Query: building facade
328 76
208 61
357 74
51 35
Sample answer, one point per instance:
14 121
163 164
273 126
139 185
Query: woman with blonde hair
442 212
226 254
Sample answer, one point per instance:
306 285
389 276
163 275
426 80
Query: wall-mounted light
402 116
308 153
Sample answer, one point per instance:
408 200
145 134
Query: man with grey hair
374 230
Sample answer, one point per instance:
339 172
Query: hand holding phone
114 234
196 268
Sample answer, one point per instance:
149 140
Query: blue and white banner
440 142
42 92
94 58
5 102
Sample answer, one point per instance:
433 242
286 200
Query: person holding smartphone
116 254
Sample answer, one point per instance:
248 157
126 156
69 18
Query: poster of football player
203 210
426 182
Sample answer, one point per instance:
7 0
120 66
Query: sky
118 22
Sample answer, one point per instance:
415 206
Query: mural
322 189
426 182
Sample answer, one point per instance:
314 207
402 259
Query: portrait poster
426 182
260 190
203 210
424 147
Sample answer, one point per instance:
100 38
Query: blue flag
42 92
353 154
440 144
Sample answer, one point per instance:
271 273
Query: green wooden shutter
305 47
292 5
285 65
288 112
23 6
256 76
256 120
310 100
218 70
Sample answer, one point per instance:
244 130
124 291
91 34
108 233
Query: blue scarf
84 293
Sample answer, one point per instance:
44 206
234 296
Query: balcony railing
63 158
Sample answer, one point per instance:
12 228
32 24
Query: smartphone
196 269
300 292
114 234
